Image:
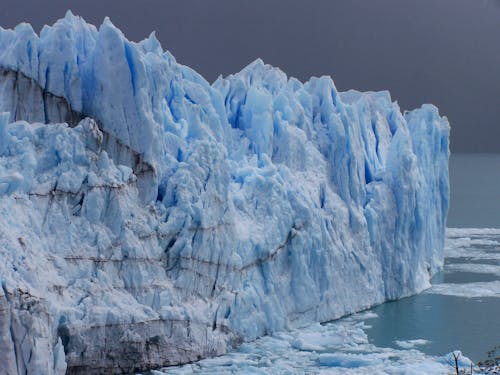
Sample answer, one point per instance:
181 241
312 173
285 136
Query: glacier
150 218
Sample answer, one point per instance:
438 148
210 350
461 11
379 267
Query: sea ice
469 290
478 251
490 269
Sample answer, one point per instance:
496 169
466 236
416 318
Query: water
475 191
448 322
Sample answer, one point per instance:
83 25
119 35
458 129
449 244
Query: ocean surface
474 191
414 335
460 311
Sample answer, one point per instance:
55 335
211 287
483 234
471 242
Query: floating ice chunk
364 315
472 252
491 269
469 232
410 344
470 290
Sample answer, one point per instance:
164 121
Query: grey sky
445 52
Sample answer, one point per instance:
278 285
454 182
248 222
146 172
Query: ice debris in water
339 347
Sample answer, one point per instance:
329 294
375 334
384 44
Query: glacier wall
150 218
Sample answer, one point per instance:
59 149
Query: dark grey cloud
445 52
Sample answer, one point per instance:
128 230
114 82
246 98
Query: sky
444 52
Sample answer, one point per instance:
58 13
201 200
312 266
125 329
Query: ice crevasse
149 218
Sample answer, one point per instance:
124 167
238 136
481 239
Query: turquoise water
449 321
475 191
446 322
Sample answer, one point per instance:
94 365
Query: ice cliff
149 218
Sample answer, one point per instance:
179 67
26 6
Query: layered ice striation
150 218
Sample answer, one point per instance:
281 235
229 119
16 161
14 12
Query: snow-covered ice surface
150 218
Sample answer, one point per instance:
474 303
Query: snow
176 219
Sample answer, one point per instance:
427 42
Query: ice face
172 219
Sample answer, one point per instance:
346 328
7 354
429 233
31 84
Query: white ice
410 344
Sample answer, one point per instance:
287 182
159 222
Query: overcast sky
445 52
